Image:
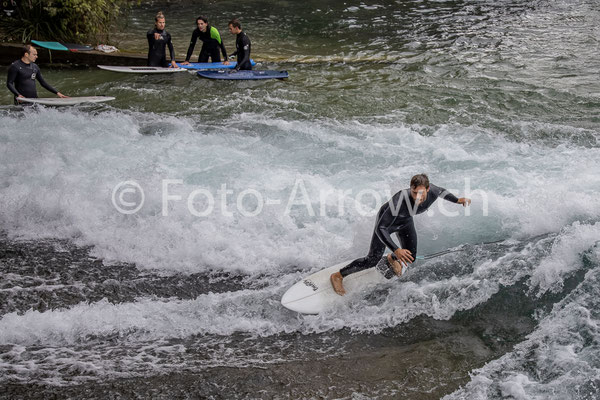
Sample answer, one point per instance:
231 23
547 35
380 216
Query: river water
249 186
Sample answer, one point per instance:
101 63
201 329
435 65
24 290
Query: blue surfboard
218 65
61 46
243 75
50 45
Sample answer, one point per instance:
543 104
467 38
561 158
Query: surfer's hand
62 96
404 256
156 36
464 201
396 265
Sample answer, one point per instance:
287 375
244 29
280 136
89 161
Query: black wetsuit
21 80
396 216
211 43
157 55
243 47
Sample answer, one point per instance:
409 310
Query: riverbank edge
10 52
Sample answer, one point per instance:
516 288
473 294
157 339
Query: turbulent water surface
145 243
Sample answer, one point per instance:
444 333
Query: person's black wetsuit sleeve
382 229
446 195
192 45
245 44
10 81
171 49
222 45
45 84
150 37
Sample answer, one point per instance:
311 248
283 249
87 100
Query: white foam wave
558 360
60 170
258 312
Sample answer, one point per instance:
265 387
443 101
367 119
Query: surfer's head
159 21
235 26
28 54
202 23
419 186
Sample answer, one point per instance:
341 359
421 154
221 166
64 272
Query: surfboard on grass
141 69
68 101
243 75
215 65
315 294
62 46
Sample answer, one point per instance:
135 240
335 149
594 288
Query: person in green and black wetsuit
242 44
211 43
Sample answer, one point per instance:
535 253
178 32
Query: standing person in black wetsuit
23 73
242 45
396 216
158 39
211 43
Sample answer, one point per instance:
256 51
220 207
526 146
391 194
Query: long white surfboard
315 294
141 69
68 101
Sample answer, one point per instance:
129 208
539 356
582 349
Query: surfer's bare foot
336 281
396 265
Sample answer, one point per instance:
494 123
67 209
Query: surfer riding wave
396 216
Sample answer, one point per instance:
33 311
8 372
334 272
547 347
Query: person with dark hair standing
211 43
158 39
396 216
23 73
242 45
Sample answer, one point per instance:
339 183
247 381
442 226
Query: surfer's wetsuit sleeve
243 45
214 34
150 37
43 82
222 45
171 49
193 40
443 193
10 80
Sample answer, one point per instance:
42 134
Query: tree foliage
79 21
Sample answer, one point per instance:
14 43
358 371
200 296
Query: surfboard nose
287 297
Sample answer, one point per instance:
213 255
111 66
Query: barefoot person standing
396 216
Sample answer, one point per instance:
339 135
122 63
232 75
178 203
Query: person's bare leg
336 281
396 265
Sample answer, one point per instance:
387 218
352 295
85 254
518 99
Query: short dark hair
235 23
419 180
26 49
203 18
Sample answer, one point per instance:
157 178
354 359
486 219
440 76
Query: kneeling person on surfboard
158 39
242 45
211 43
396 216
23 73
